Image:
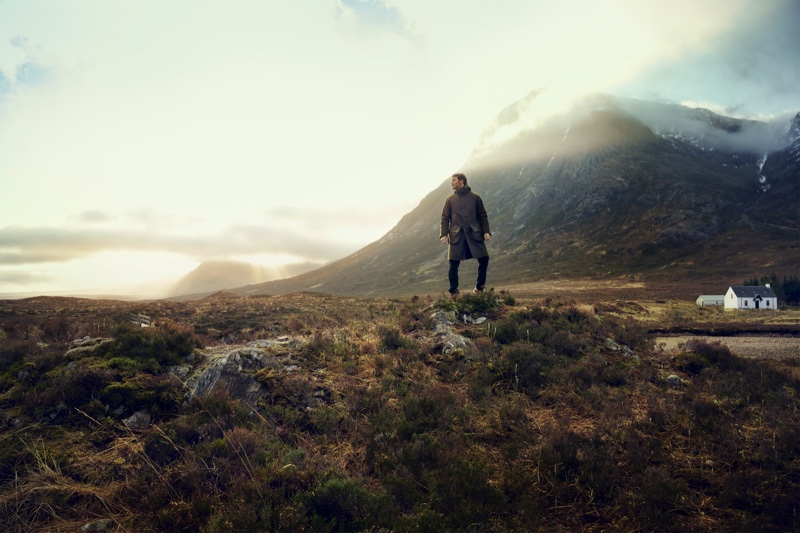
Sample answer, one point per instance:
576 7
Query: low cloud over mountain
611 187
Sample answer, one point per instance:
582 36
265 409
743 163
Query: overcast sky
141 137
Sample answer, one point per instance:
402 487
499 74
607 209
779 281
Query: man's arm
483 219
444 227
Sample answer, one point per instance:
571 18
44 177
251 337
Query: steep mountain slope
613 187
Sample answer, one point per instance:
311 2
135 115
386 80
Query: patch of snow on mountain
556 152
762 179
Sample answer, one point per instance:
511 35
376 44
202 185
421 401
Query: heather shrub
524 367
159 395
462 492
146 349
508 330
343 504
469 303
64 389
627 332
659 494
13 352
715 353
392 339
18 362
426 411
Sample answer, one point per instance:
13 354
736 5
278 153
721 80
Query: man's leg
452 275
483 268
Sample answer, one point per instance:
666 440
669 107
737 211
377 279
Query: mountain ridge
615 187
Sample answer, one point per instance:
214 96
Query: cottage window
745 303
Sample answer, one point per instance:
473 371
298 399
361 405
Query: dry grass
750 346
37 495
567 422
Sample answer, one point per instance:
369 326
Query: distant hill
213 276
614 187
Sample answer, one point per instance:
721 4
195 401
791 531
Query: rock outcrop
235 368
445 338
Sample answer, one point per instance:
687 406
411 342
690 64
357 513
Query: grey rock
675 380
86 345
98 526
181 370
283 341
453 341
442 320
613 345
235 372
466 319
138 420
263 343
446 338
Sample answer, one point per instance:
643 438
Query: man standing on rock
465 225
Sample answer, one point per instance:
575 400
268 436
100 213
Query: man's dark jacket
464 219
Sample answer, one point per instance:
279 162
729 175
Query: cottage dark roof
753 291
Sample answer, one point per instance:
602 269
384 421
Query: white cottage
750 297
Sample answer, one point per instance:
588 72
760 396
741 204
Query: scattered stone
181 370
466 319
675 380
453 342
284 342
263 343
447 339
99 526
442 320
611 344
86 344
322 395
138 420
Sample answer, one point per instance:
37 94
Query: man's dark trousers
452 274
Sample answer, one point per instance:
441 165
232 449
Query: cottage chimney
767 285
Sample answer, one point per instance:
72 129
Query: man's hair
461 177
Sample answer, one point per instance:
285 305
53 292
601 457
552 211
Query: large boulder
234 369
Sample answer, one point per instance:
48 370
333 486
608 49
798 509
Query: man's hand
487 236
443 239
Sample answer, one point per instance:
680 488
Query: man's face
455 183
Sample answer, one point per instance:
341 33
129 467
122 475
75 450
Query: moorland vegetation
558 415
